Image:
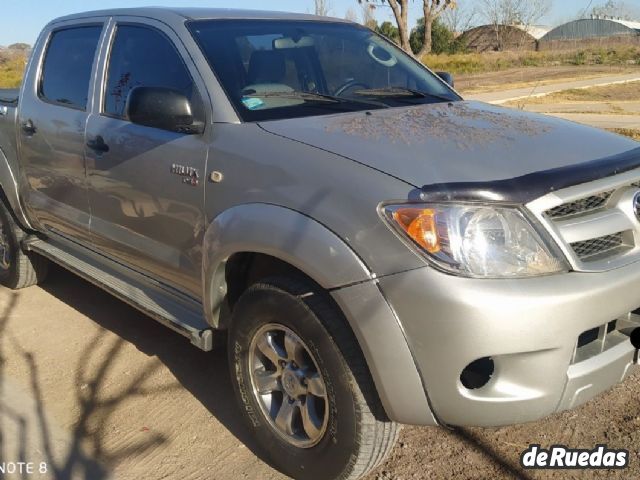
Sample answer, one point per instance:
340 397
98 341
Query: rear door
52 117
144 213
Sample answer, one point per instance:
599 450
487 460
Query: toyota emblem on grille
636 205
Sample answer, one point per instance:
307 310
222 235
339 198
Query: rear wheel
303 383
18 269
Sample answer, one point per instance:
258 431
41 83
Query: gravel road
96 390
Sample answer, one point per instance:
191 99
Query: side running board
174 310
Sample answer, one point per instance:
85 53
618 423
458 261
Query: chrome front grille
594 223
583 205
598 246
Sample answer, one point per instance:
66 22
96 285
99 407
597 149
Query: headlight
476 240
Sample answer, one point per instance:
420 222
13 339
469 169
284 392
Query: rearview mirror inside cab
288 42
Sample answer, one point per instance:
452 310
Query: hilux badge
636 205
190 175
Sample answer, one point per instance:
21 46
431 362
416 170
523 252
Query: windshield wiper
399 92
295 94
313 96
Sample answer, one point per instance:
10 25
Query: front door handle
28 127
98 145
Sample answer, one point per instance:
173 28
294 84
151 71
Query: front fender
282 233
318 252
9 185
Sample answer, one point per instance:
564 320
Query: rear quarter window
66 71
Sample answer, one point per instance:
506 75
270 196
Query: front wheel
303 383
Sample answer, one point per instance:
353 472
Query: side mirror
162 108
447 78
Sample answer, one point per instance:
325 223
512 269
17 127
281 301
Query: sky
22 20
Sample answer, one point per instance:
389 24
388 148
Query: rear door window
66 72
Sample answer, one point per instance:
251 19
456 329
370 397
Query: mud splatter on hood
469 127
453 142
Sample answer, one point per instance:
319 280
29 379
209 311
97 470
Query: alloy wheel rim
5 249
288 385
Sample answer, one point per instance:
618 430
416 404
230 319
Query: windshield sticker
252 103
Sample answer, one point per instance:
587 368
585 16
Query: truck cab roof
197 13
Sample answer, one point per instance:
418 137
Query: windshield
273 69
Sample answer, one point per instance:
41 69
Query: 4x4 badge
190 175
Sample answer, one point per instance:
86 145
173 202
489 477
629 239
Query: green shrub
442 39
580 58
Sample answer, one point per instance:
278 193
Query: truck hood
454 143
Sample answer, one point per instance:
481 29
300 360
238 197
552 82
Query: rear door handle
28 127
98 145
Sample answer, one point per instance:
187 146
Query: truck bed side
8 151
8 115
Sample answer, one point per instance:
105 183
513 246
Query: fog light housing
477 374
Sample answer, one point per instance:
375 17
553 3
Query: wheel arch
283 238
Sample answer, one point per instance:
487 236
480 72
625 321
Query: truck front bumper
526 330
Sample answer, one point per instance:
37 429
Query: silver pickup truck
375 249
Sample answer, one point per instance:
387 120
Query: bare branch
618 8
368 17
461 18
323 7
514 12
351 15
505 14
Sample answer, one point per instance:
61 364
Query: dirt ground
97 390
618 99
615 107
522 77
623 92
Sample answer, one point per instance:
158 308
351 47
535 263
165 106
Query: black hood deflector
528 187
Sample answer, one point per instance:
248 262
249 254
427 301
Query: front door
144 213
52 117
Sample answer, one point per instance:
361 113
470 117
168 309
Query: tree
20 46
351 15
461 18
390 31
323 7
443 39
432 9
368 16
504 14
514 12
617 9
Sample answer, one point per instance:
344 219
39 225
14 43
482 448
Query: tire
18 269
353 433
